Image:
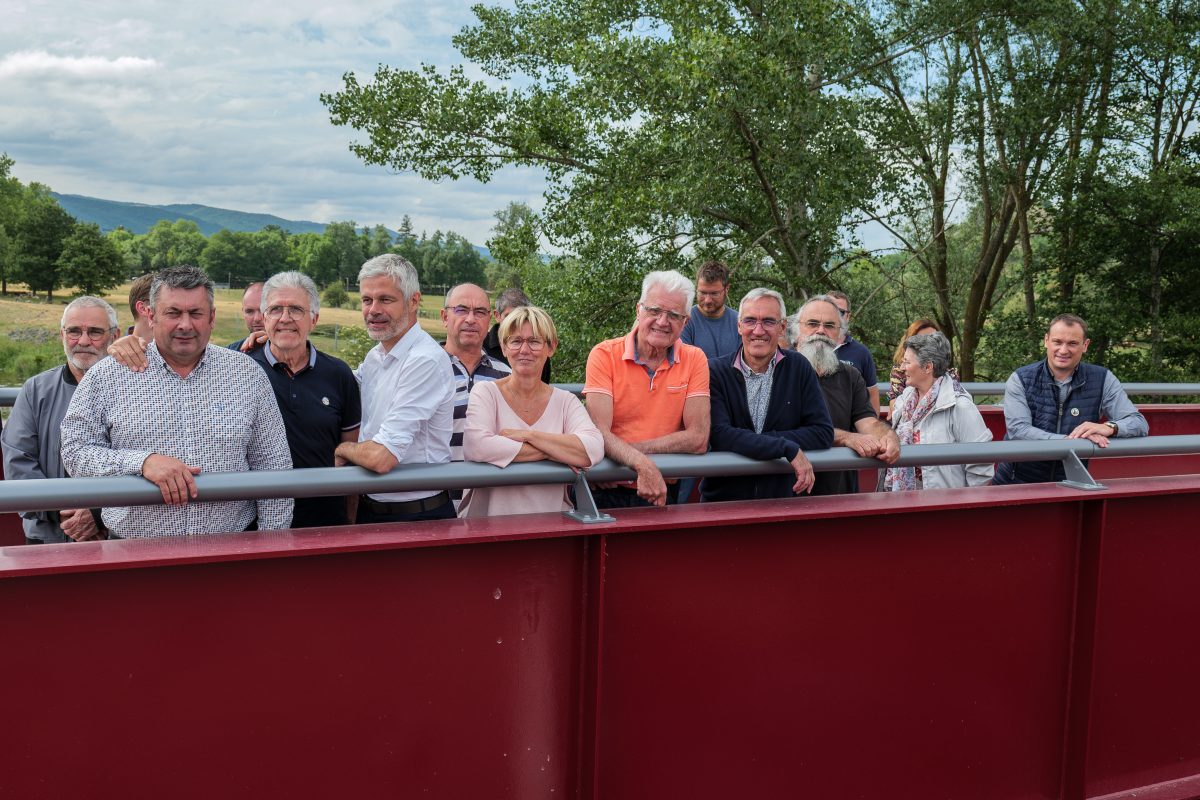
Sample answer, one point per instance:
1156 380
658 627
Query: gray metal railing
997 389
59 493
8 394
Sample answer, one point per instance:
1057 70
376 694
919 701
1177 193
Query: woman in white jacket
935 409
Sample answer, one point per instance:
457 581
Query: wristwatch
1112 425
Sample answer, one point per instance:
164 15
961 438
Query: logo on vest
1074 412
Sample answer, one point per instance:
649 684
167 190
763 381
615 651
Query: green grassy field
29 327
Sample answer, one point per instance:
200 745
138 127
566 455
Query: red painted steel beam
987 643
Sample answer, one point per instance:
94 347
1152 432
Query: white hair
672 282
292 280
758 294
89 301
396 267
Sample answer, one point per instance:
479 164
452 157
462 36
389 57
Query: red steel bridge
1001 642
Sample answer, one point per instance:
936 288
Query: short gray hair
793 328
512 297
396 267
827 298
180 277
89 301
931 348
670 281
761 292
291 280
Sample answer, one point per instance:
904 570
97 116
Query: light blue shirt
1114 406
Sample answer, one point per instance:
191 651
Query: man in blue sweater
766 404
1063 397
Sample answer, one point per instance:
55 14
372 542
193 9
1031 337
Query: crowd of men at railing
688 377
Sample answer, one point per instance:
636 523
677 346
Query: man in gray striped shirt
196 408
465 316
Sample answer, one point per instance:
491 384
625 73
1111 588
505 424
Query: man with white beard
32 443
814 331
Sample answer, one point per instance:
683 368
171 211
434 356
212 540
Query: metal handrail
8 394
997 389
59 493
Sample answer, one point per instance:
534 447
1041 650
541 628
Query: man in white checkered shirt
196 408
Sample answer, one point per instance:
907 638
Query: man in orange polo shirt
647 392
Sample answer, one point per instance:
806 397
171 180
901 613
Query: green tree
169 244
376 241
514 244
345 250
125 241
226 256
335 296
11 195
89 261
41 232
662 127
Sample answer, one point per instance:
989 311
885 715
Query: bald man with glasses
466 315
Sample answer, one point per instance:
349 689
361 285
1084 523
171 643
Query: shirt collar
154 358
739 363
631 350
272 360
484 361
401 348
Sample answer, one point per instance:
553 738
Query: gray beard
820 353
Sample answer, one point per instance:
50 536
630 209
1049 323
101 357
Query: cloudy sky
218 103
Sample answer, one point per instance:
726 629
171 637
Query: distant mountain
140 218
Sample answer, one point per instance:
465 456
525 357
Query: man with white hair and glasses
766 404
317 394
647 392
32 440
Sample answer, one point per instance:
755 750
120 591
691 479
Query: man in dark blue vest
1064 398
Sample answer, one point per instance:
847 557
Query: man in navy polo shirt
317 393
854 352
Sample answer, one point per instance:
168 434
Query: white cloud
30 63
218 103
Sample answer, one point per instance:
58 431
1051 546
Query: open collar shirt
222 418
408 404
758 387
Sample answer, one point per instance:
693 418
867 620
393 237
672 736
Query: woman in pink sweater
521 418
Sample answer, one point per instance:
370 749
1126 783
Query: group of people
687 377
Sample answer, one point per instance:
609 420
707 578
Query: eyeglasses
654 311
95 334
814 324
463 311
515 344
750 323
277 312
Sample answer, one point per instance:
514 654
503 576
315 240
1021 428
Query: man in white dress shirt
407 394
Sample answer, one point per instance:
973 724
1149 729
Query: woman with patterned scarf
935 409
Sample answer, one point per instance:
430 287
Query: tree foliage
89 261
984 136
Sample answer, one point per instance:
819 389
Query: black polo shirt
318 404
847 400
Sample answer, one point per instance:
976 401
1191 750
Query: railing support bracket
1077 475
585 505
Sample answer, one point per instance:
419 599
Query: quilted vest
1057 411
